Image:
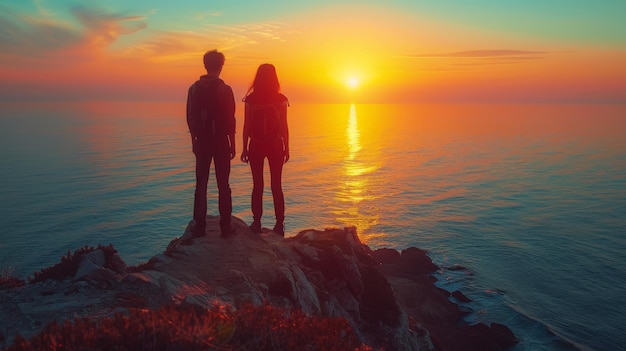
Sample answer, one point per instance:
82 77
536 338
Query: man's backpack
206 113
264 121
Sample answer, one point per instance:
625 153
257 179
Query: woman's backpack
264 121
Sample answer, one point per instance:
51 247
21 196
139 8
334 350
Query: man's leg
225 202
203 162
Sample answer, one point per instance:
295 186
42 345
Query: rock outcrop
387 296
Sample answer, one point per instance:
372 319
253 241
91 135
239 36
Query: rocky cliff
389 297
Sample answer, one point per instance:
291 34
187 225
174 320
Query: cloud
25 35
205 14
181 45
84 31
102 28
36 35
484 53
451 61
42 9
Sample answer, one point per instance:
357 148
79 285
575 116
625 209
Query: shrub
191 328
168 328
270 328
8 279
69 264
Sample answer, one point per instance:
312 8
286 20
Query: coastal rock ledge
389 297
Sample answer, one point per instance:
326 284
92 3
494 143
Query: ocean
522 206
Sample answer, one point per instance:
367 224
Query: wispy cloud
207 14
84 30
35 35
42 9
180 45
457 60
103 28
484 53
23 35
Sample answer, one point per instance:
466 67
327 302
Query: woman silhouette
266 135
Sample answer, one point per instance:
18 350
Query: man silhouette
211 122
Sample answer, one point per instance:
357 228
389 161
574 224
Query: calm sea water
530 198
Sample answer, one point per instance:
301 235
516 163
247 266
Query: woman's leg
275 160
256 160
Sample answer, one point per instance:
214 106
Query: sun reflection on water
355 189
353 134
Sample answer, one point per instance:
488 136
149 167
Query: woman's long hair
266 81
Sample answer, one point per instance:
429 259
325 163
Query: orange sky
396 53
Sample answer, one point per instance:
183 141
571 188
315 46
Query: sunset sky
324 51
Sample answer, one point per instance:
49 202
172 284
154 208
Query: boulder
430 306
478 337
386 256
415 261
91 263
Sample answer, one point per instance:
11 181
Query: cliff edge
388 297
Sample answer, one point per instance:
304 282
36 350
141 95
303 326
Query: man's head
213 61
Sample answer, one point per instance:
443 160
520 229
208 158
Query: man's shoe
256 227
227 230
198 229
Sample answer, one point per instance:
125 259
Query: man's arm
232 122
189 109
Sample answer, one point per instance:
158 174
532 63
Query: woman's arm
246 133
285 131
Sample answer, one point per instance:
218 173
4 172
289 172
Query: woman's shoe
279 228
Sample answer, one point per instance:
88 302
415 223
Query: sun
353 82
